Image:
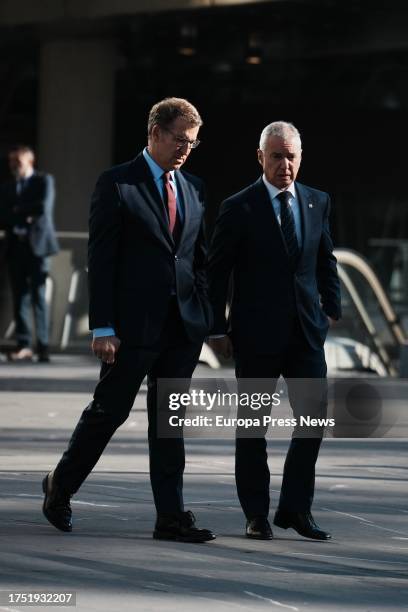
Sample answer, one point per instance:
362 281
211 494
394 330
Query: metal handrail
73 235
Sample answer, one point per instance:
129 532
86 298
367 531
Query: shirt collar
274 191
25 178
155 169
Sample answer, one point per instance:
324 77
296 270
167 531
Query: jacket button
176 258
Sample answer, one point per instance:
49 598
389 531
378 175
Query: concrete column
75 122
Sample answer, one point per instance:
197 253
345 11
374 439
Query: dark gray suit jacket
36 201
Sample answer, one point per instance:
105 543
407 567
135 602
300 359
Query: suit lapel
187 199
305 204
144 183
265 211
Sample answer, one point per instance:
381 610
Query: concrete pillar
75 122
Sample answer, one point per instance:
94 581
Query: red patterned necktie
170 200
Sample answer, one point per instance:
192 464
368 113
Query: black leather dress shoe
56 506
302 522
43 357
180 528
43 353
258 528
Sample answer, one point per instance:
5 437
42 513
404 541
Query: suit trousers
297 361
172 356
28 274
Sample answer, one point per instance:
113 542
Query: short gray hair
282 129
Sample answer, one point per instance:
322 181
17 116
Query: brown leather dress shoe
258 528
180 528
302 522
56 507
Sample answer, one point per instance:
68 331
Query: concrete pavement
110 559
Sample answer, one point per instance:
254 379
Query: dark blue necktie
288 228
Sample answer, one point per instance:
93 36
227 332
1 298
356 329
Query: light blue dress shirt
157 173
293 203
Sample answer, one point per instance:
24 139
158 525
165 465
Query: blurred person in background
26 214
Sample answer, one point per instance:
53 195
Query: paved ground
112 562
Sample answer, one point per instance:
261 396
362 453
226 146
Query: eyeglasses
182 142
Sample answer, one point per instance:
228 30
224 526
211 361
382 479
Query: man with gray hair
148 311
274 238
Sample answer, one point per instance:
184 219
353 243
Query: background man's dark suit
278 323
151 289
26 213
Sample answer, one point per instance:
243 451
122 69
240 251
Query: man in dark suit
274 238
149 311
26 213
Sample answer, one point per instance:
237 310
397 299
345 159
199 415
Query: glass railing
369 317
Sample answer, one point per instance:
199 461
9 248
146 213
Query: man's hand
105 348
222 346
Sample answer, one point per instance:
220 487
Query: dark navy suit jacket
267 294
135 265
36 201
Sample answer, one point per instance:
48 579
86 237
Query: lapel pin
310 205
